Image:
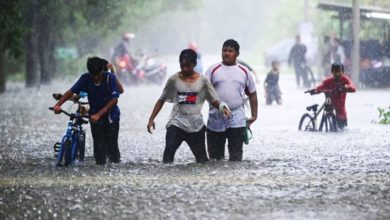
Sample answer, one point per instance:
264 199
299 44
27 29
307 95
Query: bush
384 116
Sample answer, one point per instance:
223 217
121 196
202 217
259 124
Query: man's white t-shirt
230 83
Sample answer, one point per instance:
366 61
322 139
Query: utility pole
306 10
355 55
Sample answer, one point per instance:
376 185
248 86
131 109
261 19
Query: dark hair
105 63
95 65
337 67
233 44
189 55
275 62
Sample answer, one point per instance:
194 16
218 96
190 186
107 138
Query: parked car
278 52
282 49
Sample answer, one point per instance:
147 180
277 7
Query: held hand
227 113
250 120
57 109
311 91
95 117
151 125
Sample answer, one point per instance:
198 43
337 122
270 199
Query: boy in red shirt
339 81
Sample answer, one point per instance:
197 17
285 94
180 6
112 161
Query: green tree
11 32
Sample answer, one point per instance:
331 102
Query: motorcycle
149 70
126 69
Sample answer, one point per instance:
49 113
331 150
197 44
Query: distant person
231 81
199 65
122 52
326 51
104 113
297 58
188 90
340 81
337 52
271 85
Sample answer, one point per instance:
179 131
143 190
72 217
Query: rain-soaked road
285 174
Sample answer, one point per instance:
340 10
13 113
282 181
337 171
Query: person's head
275 65
105 64
230 52
127 36
187 60
298 38
337 69
193 45
95 66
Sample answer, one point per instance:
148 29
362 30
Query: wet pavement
286 174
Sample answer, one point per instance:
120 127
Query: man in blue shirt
104 113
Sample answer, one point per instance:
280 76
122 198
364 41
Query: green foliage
384 116
11 27
71 68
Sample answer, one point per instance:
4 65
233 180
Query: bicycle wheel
81 146
306 123
67 155
328 123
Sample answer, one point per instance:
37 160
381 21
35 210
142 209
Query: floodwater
285 174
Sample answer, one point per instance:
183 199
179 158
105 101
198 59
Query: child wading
340 81
271 85
103 94
187 90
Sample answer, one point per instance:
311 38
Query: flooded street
286 174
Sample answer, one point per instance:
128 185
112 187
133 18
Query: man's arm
157 108
254 104
57 107
104 110
290 55
225 111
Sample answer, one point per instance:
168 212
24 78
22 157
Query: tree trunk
46 51
3 77
31 47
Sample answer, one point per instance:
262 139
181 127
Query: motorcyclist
121 52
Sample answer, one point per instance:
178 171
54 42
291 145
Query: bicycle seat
312 107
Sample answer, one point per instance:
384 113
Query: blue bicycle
72 145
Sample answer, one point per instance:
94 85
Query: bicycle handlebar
58 96
72 115
327 91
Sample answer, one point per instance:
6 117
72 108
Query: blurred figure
297 58
271 85
326 50
199 66
338 52
122 53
